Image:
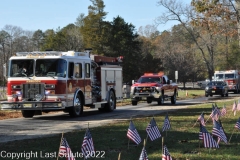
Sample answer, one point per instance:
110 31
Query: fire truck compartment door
111 78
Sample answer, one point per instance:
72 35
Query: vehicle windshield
149 80
227 76
38 68
219 76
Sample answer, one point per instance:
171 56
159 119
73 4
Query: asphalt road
47 125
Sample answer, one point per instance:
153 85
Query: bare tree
203 36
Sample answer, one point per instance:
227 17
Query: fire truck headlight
50 86
16 87
38 97
49 92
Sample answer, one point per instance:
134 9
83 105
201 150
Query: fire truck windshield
149 80
225 76
38 68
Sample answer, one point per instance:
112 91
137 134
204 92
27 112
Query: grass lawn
110 140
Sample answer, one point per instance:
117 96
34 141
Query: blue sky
51 14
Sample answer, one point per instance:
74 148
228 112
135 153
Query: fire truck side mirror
5 70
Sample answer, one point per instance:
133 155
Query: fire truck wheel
160 100
27 114
77 108
111 105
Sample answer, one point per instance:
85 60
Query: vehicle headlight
38 97
206 88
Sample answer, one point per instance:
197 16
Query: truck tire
77 108
173 98
134 102
27 114
226 94
111 104
222 95
161 100
149 100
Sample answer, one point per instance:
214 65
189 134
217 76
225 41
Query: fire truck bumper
32 105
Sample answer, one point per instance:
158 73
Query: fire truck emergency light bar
150 74
53 53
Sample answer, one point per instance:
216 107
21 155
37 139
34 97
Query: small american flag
166 155
215 114
143 155
133 133
208 140
218 109
237 125
152 130
87 145
234 109
219 132
201 119
224 110
65 151
166 124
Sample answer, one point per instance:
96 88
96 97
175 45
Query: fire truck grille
31 89
144 89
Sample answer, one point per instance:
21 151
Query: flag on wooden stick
208 140
224 110
166 155
219 132
132 133
65 150
87 145
166 124
201 119
143 155
152 130
215 114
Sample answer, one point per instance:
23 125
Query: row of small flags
153 133
218 131
87 147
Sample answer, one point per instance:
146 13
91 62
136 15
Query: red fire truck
52 81
232 77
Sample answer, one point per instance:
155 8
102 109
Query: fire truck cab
62 81
231 77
